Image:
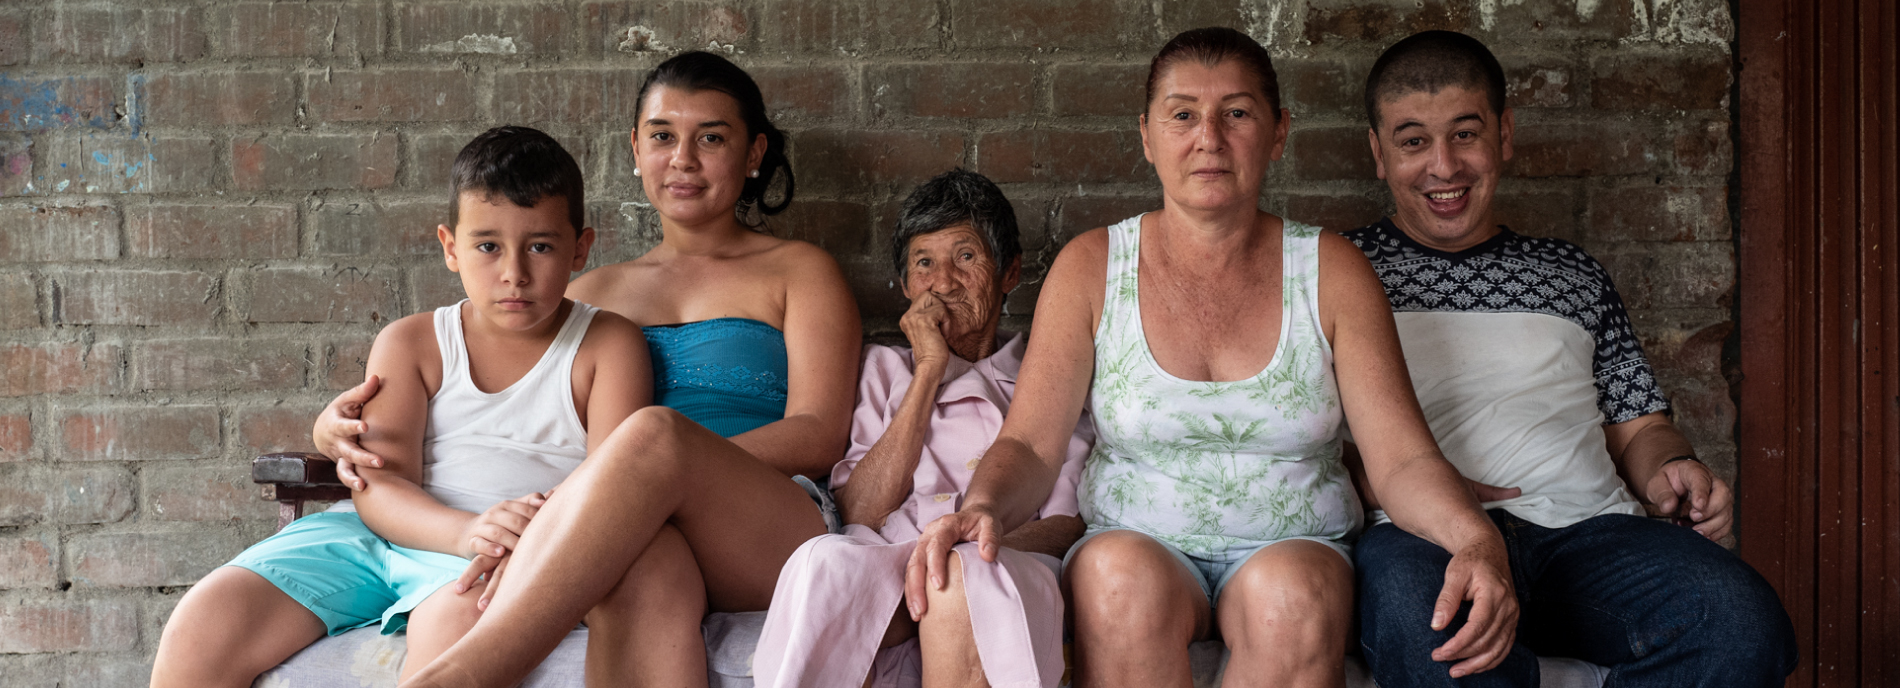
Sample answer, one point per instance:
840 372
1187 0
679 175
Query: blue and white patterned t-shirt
1520 350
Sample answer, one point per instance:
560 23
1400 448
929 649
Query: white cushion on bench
364 658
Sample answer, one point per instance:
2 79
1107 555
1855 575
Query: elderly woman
1217 348
924 414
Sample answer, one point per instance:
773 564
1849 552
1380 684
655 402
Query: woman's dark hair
704 71
1432 60
521 164
952 198
1211 46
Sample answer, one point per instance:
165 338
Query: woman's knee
665 576
1290 595
1133 582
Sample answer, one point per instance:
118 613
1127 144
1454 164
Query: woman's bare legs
646 632
945 637
1285 616
232 626
741 518
1136 610
437 623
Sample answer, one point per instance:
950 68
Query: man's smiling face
1441 154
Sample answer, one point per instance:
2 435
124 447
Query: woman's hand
337 429
495 532
923 326
1479 573
932 555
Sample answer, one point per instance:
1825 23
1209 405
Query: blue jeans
1658 604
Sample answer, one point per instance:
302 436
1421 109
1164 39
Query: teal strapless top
728 374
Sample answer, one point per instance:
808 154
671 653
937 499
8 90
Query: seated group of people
1164 460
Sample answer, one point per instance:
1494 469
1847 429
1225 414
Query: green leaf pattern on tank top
1217 468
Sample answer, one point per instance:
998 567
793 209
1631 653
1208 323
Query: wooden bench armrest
292 478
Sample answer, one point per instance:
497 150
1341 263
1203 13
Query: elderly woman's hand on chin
923 325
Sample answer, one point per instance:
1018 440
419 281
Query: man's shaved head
1430 61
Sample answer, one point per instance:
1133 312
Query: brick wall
208 209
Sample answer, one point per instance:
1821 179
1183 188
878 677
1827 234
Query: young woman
699 499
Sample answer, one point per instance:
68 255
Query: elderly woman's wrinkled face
1210 133
956 266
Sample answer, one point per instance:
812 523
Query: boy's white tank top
480 448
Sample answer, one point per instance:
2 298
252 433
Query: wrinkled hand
1689 490
1493 493
1481 574
337 428
495 532
930 561
923 326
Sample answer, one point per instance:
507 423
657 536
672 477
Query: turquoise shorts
1213 575
334 566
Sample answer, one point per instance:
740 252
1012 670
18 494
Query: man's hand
1481 574
337 428
495 532
923 326
931 558
1689 490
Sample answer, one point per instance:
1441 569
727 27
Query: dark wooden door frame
1820 390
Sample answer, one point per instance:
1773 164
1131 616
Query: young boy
500 395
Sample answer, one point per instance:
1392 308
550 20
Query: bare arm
882 479
822 339
1419 489
398 509
1052 536
1641 445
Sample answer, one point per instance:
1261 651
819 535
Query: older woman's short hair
952 198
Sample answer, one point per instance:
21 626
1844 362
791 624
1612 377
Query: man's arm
1643 447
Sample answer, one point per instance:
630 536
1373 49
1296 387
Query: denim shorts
1213 575
826 507
348 576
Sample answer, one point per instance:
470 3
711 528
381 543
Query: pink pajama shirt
837 593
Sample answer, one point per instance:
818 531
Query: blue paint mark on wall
53 103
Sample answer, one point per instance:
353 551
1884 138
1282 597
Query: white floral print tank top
1217 469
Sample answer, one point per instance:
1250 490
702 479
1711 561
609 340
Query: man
1531 378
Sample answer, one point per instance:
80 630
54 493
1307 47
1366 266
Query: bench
364 658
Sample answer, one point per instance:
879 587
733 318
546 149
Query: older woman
1217 348
924 414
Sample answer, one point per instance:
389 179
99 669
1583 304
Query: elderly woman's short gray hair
952 198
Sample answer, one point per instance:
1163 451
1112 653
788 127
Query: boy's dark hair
521 164
1211 46
1429 61
704 71
952 198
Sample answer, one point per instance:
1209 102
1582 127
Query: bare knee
230 627
945 636
1295 597
1129 582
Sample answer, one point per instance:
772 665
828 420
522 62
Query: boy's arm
398 510
619 376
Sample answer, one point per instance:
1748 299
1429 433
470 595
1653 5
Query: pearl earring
636 171
753 174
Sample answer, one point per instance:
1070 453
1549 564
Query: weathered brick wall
209 209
